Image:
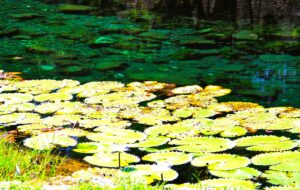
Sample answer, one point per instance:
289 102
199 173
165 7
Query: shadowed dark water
259 64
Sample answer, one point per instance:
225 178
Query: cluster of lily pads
149 128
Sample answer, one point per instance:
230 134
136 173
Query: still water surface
259 63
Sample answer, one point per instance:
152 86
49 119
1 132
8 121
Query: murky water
261 64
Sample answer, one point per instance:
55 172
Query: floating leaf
266 143
291 113
62 120
32 128
151 141
53 97
48 108
48 141
281 161
182 128
202 144
41 86
117 136
172 158
111 159
112 124
187 89
184 112
282 188
282 178
240 173
239 106
221 161
214 91
15 98
202 113
156 104
216 184
19 118
153 171
235 131
91 147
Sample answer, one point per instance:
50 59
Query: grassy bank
18 163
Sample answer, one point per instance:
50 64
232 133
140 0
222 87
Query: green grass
32 168
18 163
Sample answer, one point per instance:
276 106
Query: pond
46 41
140 88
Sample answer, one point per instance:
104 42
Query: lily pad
151 141
240 173
156 172
53 97
282 178
15 98
280 161
202 144
48 141
117 136
111 160
266 143
171 158
216 184
187 89
221 161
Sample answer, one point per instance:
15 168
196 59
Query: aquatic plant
150 172
240 173
111 159
279 161
47 141
221 161
171 158
266 143
216 183
161 123
202 144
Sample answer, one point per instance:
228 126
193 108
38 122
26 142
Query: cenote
206 89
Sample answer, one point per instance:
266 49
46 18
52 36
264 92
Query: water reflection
130 43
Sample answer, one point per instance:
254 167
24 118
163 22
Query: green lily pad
235 131
171 130
15 98
117 136
48 141
281 161
240 173
282 178
202 144
266 143
53 97
93 147
151 141
155 172
216 184
31 128
282 188
111 160
172 158
221 161
19 118
184 112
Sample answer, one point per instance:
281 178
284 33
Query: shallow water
260 64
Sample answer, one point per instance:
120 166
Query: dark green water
261 64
